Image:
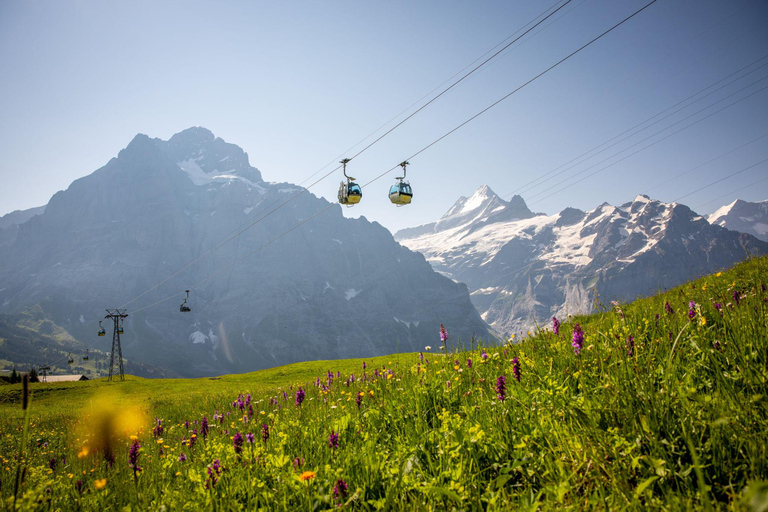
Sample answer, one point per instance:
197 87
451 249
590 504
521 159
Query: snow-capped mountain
524 268
313 285
743 216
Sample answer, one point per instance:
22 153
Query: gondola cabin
102 332
350 193
400 193
183 306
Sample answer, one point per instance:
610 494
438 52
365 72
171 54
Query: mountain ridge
523 271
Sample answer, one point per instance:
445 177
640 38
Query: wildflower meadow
658 404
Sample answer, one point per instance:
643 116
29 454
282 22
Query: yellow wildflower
99 484
307 475
83 452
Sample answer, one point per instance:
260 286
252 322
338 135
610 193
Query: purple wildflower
250 437
79 485
300 396
265 432
214 471
333 440
351 377
443 334
448 384
578 339
736 297
501 387
668 308
484 356
158 430
359 399
340 489
237 442
364 366
719 307
631 346
133 456
182 457
555 326
193 438
52 464
692 310
516 368
469 363
186 424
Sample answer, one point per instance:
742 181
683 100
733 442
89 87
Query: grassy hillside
661 408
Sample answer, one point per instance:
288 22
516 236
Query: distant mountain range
315 286
751 218
524 268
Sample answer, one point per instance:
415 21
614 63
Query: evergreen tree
33 375
15 376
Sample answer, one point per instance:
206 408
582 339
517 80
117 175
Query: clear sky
296 84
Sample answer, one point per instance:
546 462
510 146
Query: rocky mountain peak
204 156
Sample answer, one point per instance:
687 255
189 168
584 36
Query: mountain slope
527 269
331 287
743 216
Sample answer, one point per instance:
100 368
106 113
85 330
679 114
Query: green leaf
644 485
445 492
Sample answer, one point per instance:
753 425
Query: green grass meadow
661 409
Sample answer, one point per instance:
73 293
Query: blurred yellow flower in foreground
99 484
83 452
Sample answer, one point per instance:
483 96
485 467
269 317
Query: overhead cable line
549 175
721 179
732 192
457 82
489 107
427 95
654 142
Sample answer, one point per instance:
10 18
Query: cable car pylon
116 315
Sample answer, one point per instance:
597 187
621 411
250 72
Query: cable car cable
459 81
532 184
553 66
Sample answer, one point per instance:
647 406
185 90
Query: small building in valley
64 378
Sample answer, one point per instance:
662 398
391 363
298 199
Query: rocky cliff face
743 216
524 268
330 287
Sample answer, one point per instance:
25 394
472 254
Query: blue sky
297 84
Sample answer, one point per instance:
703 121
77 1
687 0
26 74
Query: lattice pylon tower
116 315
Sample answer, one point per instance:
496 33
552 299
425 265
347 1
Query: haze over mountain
743 216
524 268
328 288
